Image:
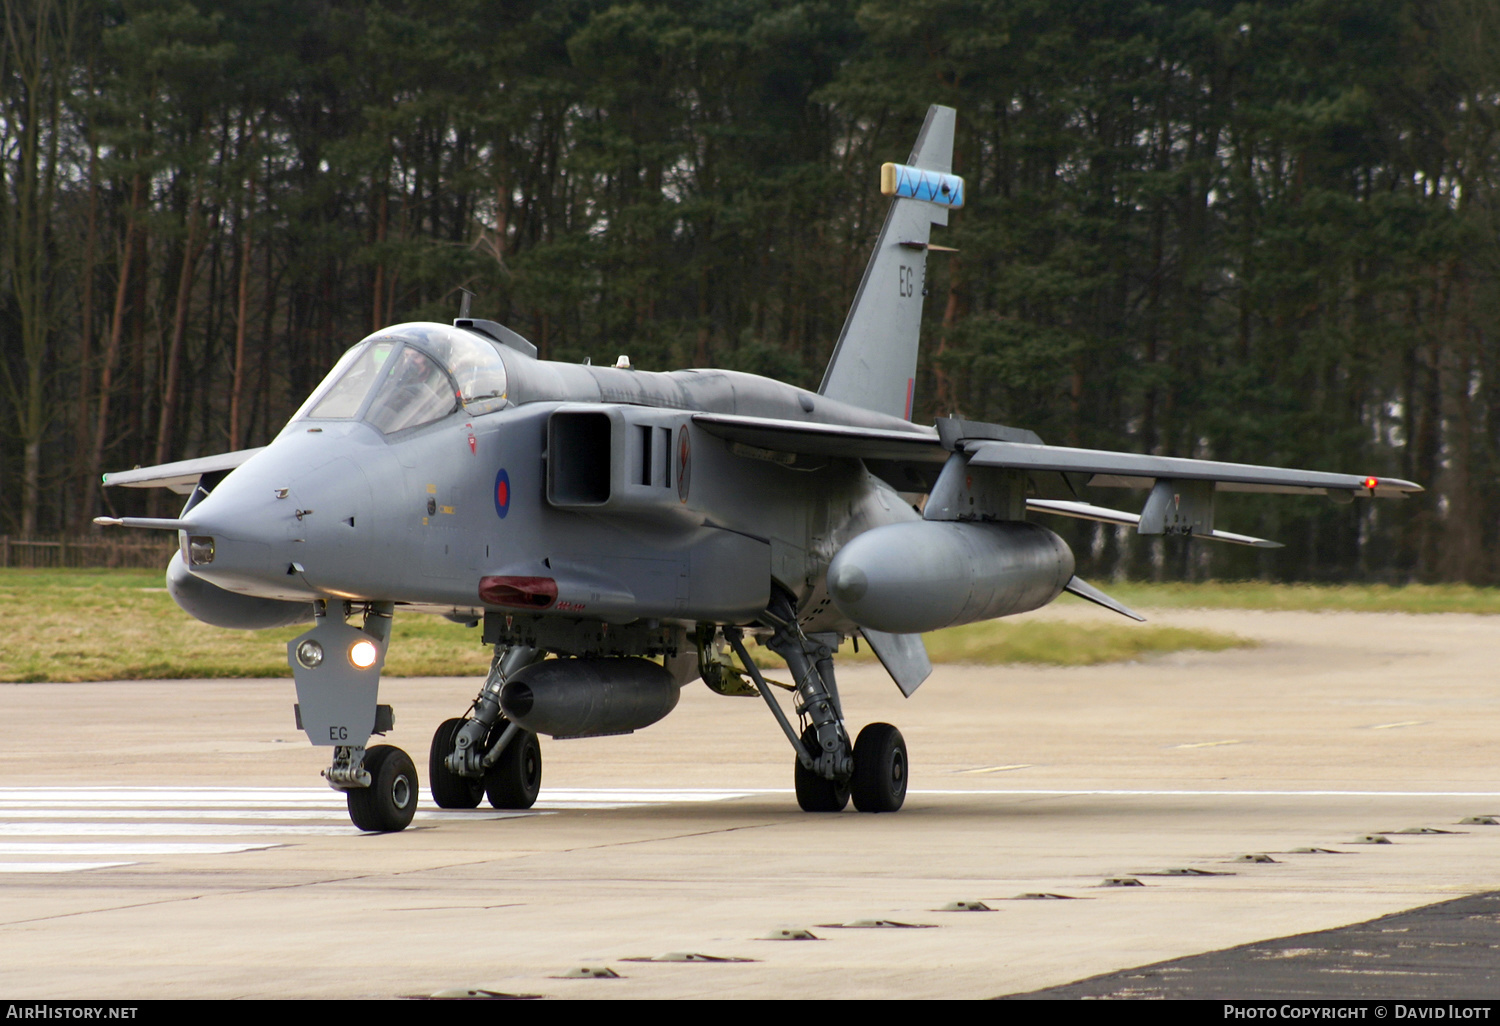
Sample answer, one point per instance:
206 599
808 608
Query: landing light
309 653
363 654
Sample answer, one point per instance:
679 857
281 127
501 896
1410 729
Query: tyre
880 769
516 778
449 790
816 793
391 799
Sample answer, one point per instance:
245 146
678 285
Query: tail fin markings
874 364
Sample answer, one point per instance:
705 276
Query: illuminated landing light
363 654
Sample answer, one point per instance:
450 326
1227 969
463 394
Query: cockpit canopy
409 375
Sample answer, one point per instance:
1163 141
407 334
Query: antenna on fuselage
465 303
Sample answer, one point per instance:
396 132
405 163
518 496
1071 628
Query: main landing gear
829 770
484 754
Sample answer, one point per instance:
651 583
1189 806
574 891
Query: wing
1134 470
1182 490
182 476
919 445
920 451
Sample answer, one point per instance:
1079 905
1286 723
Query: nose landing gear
391 799
336 667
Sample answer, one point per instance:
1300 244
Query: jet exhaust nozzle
922 576
589 697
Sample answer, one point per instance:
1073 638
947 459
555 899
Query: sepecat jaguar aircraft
615 534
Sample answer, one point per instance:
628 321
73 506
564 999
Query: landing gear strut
336 667
828 769
485 754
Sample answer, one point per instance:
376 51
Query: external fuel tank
922 576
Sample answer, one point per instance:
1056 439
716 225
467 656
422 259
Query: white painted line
171 796
112 848
994 769
55 829
1403 723
249 816
1214 794
631 796
57 867
1207 744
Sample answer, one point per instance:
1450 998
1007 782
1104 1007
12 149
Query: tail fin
874 364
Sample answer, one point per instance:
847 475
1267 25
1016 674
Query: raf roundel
502 493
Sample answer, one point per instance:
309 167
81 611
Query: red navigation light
1371 482
524 592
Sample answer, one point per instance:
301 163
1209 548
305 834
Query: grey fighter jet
615 534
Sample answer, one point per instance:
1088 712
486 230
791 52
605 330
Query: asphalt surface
1446 951
172 839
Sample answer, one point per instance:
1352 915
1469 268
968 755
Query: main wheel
516 778
391 799
816 793
880 771
449 790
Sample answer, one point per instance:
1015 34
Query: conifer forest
1255 230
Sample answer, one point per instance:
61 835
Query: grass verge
1344 598
82 625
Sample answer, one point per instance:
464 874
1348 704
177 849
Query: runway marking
1150 793
1403 723
59 829
124 848
994 769
57 867
1207 744
10 814
143 821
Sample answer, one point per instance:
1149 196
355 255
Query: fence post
4 550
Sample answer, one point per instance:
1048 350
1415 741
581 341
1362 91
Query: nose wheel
390 801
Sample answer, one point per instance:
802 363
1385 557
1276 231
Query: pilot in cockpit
416 392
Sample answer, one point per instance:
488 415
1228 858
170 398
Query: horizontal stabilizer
904 657
1088 511
1084 590
182 476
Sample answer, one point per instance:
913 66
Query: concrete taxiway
171 839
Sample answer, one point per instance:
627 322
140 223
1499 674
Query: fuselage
595 479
